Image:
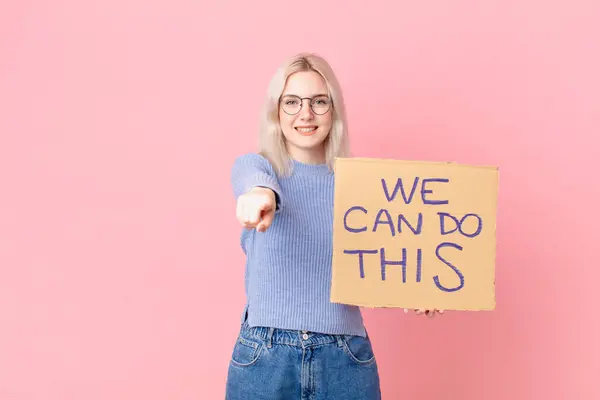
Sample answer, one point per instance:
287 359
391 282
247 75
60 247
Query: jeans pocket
246 352
359 349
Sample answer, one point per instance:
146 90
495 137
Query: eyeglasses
292 104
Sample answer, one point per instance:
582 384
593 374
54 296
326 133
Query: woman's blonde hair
271 139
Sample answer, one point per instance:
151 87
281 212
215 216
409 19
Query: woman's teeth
306 130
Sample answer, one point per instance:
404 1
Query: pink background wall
121 275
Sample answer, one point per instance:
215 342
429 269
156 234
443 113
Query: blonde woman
293 342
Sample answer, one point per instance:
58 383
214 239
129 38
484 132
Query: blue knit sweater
288 267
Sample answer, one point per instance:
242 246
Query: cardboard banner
414 234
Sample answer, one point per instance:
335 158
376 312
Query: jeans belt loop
270 338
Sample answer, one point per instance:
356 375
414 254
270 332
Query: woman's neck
312 156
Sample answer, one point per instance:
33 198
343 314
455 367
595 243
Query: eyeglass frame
302 103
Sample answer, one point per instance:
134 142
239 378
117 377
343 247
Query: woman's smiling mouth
307 130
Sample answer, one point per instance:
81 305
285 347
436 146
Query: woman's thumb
267 219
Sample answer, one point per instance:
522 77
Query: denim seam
359 362
258 350
248 343
302 375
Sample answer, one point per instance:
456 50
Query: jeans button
305 336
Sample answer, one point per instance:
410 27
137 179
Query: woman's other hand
423 311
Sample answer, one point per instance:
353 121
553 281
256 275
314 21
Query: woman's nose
306 112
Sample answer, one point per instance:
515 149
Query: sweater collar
310 169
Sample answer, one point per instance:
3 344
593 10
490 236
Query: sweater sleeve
252 170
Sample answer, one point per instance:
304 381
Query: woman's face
305 127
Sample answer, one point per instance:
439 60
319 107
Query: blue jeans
273 364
